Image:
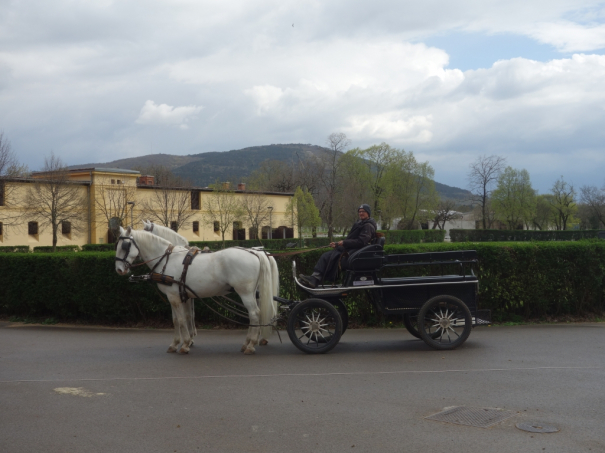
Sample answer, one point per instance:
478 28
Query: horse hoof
171 349
249 351
263 342
243 348
183 351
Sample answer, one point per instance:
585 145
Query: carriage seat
370 257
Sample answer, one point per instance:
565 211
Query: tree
594 199
563 203
255 208
303 212
170 201
514 199
223 208
444 213
54 201
111 204
543 214
482 177
330 173
9 168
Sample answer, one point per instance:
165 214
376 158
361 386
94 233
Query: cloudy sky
98 80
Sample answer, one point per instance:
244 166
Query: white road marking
351 373
76 391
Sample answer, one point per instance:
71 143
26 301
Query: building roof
107 170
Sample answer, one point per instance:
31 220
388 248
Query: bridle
126 247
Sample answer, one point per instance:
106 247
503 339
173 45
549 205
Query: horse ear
128 231
122 231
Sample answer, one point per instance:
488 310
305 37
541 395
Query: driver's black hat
366 208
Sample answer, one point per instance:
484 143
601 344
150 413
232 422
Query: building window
113 181
32 228
1 229
195 200
173 226
217 227
1 193
196 227
65 227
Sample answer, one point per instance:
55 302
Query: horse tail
275 277
268 307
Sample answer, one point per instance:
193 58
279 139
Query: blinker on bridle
126 247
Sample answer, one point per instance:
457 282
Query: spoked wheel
411 323
444 322
314 326
344 314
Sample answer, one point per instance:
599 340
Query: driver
362 232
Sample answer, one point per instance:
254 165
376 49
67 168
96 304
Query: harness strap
191 253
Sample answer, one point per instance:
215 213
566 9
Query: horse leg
180 325
253 331
176 340
190 318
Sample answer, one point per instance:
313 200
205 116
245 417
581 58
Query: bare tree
482 177
111 203
330 173
594 199
9 168
255 208
445 213
223 208
563 202
171 201
56 202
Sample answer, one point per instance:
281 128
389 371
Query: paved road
116 390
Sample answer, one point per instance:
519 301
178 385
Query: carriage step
482 318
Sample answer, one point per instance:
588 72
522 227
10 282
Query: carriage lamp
131 203
270 208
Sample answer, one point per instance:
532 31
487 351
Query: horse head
125 252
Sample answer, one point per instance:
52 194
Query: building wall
97 223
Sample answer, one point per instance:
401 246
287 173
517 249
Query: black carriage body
439 309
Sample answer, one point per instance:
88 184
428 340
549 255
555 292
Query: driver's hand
333 245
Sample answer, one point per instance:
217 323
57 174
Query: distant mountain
206 168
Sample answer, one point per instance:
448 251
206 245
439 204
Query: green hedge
413 236
99 247
527 280
520 235
14 249
59 248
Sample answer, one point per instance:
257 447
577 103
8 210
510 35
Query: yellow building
111 195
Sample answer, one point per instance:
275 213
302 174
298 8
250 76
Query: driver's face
362 214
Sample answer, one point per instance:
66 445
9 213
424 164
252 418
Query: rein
297 252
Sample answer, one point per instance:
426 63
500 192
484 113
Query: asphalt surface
117 390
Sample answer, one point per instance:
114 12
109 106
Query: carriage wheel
314 326
411 323
449 318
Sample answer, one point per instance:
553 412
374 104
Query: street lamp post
131 203
270 208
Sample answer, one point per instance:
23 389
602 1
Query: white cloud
73 76
165 114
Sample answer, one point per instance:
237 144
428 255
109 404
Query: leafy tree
303 212
483 176
514 198
543 214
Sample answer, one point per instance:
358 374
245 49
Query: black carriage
439 309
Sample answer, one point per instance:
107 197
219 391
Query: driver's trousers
328 263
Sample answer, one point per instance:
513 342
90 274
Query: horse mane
172 235
146 238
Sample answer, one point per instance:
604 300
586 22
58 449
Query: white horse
176 239
210 274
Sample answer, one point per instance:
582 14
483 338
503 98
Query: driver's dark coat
362 232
